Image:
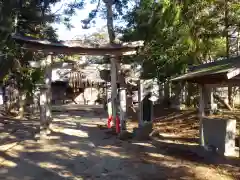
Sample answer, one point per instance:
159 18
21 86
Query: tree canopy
176 33
180 33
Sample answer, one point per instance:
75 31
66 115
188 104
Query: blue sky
65 34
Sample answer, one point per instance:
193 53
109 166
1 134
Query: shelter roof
211 73
76 46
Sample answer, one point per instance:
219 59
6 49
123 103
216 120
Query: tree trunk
111 34
160 91
218 98
110 26
226 19
230 95
167 92
189 94
177 98
22 102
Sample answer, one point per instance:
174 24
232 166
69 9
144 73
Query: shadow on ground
78 149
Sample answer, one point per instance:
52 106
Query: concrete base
111 131
219 135
143 132
125 135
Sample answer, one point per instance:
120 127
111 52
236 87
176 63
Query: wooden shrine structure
217 133
114 51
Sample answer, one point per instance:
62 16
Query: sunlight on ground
156 158
6 163
179 142
107 152
109 147
144 144
77 152
50 165
155 155
210 173
63 115
65 119
91 125
73 132
5 147
70 123
74 142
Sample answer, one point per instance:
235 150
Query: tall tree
112 9
26 17
191 32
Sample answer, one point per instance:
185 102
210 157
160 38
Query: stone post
123 108
109 101
48 83
46 94
201 113
43 108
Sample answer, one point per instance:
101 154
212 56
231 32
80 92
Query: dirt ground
78 149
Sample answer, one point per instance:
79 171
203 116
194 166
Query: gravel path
78 149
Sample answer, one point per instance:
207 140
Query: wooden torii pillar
114 93
117 96
46 95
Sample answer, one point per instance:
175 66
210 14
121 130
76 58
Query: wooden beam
83 51
216 82
233 73
76 47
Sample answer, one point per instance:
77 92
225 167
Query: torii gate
67 47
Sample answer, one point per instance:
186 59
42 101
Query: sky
65 34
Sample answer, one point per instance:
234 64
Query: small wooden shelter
219 73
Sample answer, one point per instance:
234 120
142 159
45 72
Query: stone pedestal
143 132
219 135
124 135
123 107
109 102
44 108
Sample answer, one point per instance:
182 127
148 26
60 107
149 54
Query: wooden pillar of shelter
201 113
140 106
239 129
46 94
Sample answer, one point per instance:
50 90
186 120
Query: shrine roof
211 73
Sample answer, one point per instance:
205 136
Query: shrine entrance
51 49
